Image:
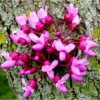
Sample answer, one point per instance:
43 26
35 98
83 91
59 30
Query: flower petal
62 88
23 82
45 68
27 94
58 45
50 74
41 39
46 34
42 13
69 47
21 34
19 63
64 78
62 55
37 47
8 64
89 52
33 37
75 70
21 20
33 19
53 64
77 78
91 44
14 37
77 20
6 55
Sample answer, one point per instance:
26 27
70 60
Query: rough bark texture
90 12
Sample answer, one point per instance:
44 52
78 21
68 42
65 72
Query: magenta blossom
63 50
48 68
34 22
26 67
78 68
44 17
31 70
60 82
86 44
76 21
20 38
29 89
41 42
72 12
21 20
11 60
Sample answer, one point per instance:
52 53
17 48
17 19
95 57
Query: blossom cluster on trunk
50 53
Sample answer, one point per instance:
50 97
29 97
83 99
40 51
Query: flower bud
26 29
15 56
26 67
56 79
68 17
48 20
47 62
39 26
31 71
58 34
22 41
32 84
51 50
24 58
73 26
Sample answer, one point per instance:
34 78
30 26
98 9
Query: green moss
3 37
94 63
50 1
14 46
35 3
97 67
28 13
96 33
51 31
75 1
89 90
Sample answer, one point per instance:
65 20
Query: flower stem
40 75
55 30
63 28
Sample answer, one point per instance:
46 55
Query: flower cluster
50 52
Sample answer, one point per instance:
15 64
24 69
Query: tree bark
90 13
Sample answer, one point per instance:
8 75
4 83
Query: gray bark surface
90 13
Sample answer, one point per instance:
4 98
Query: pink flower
63 50
44 17
86 44
78 68
76 21
11 60
20 38
25 58
21 20
48 68
41 42
72 12
29 89
31 70
26 67
60 83
34 22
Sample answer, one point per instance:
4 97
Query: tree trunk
90 13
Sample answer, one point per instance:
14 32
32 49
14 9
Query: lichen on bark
90 13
